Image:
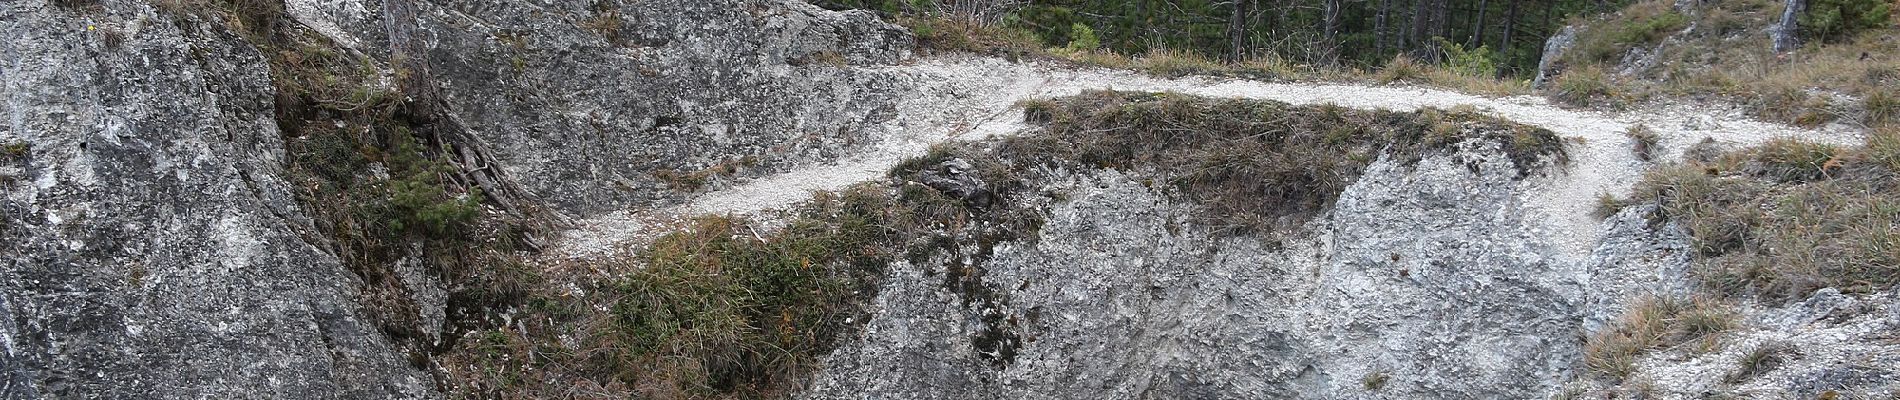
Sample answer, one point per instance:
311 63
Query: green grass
14 151
725 308
1641 24
719 310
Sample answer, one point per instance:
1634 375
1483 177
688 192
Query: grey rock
1551 63
1425 275
958 179
585 101
152 248
1820 305
1785 33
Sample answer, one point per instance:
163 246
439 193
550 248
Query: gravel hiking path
972 98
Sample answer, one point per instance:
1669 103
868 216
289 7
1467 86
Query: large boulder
1551 63
151 247
593 105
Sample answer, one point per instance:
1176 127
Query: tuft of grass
1402 69
1757 361
13 151
1375 380
1608 205
1653 323
1793 161
1880 107
956 35
1584 86
604 22
78 4
1643 141
692 181
1176 63
1254 165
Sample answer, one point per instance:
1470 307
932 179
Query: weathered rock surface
1425 281
151 249
587 102
1551 63
1425 276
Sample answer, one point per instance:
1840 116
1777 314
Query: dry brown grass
1643 141
1783 219
1722 59
1653 323
1586 86
1254 165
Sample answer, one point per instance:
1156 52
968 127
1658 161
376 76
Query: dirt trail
969 98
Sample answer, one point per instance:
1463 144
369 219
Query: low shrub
1836 19
717 308
953 35
1642 24
1084 39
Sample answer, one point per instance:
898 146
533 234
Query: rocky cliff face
152 247
1431 280
596 106
1428 280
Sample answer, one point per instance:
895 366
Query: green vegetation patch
1836 19
380 191
730 308
719 309
1641 24
1255 164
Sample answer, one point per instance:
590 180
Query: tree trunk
1331 28
1237 31
1786 30
1379 30
1420 25
1510 27
1477 25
